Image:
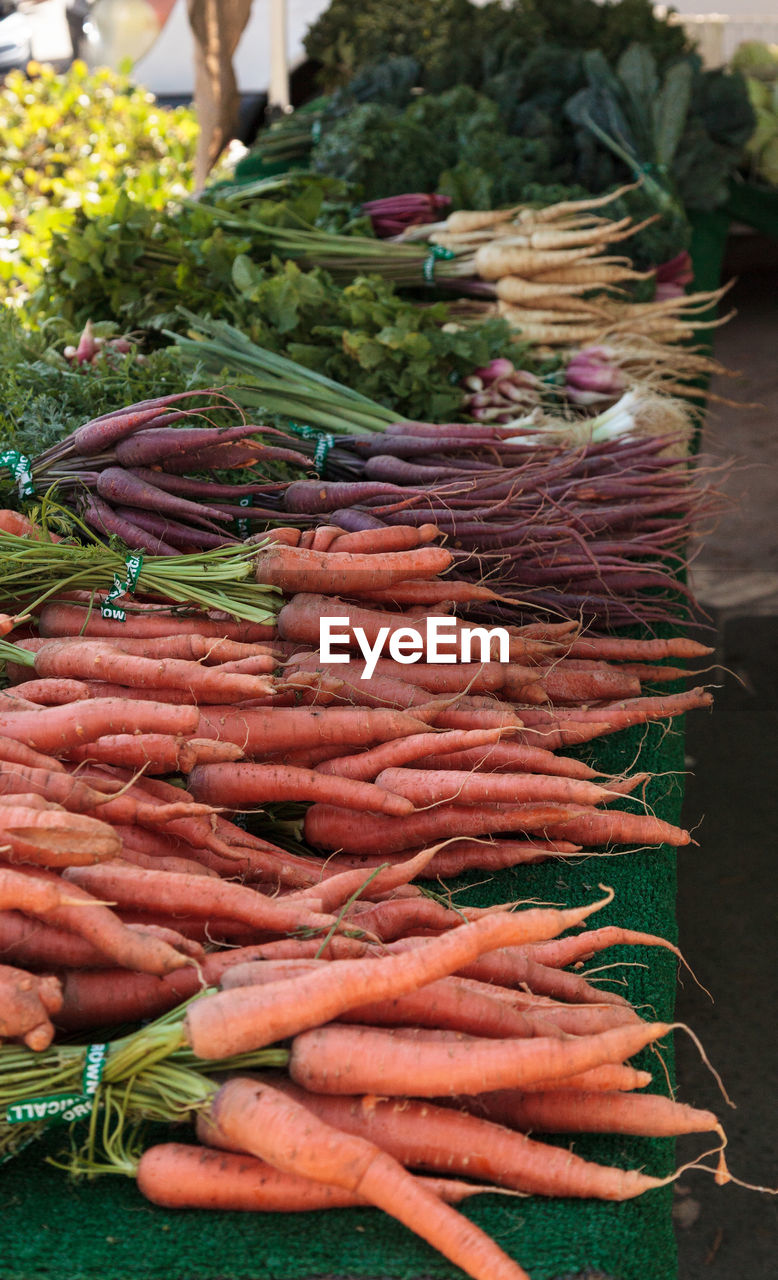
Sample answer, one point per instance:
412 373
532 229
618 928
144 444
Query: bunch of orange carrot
123 893
416 756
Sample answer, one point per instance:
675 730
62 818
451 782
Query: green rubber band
63 1108
436 253
323 446
133 564
21 466
243 525
303 431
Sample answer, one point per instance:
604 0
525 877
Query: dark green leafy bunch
682 130
454 142
456 42
348 37
365 336
135 268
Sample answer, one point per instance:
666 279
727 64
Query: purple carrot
232 456
189 488
106 521
181 536
122 488
102 433
354 521
153 445
312 497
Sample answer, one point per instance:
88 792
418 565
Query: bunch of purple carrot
597 532
130 473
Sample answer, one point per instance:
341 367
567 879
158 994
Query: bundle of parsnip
553 275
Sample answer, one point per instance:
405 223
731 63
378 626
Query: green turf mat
51 1228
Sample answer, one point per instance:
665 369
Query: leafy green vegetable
134 266
68 142
681 134
43 398
456 42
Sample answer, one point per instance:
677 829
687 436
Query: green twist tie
323 446
21 467
243 525
436 252
303 431
324 441
651 167
63 1108
119 588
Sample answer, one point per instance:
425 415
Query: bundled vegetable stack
553 282
126 473
468 1019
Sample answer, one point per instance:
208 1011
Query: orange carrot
234 1021
330 826
617 648
26 1006
12 752
437 1139
594 1111
506 756
151 862
55 729
155 752
582 946
49 692
340 573
299 620
189 646
182 1176
448 1003
99 660
52 837
341 1059
368 764
333 891
167 891
49 898
592 827
426 787
274 1127
399 537
458 856
246 786
262 732
64 619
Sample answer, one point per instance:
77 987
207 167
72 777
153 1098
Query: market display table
53 1228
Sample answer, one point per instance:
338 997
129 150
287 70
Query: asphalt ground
727 899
